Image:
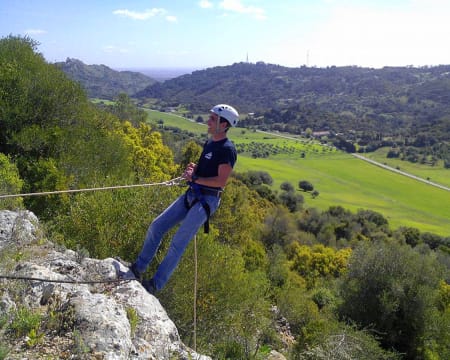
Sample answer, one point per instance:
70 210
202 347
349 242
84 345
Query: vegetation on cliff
346 282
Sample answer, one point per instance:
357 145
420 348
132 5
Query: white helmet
227 112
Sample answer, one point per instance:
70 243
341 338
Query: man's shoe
149 285
137 274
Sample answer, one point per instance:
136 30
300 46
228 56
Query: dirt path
400 172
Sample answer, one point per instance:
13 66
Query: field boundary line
390 168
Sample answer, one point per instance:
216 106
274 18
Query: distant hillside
161 73
103 82
386 101
370 108
256 87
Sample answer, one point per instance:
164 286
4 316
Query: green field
433 173
344 180
355 184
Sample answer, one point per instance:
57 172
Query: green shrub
60 317
24 321
10 183
4 351
323 297
393 289
133 318
229 350
336 341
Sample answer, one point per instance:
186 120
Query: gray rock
275 355
17 227
101 310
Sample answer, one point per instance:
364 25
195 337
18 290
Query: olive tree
305 185
392 288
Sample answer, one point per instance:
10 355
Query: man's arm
220 180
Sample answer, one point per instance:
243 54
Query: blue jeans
190 221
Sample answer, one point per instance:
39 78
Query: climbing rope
173 182
106 281
176 181
195 292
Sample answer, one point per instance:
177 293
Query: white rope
195 292
175 181
172 182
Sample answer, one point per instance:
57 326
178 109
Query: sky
133 34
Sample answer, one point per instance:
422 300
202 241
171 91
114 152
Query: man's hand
189 171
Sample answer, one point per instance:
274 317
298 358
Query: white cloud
237 6
35 32
145 15
205 4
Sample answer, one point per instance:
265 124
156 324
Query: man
207 180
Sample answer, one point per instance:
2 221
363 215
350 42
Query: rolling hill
103 82
261 87
356 109
401 107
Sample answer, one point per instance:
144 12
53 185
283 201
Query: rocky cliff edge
74 319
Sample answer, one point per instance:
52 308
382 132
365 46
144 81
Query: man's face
214 124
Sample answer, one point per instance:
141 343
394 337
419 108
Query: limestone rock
275 355
110 320
17 227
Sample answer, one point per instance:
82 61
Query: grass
174 120
344 180
433 173
354 184
104 101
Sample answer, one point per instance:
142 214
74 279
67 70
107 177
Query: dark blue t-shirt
215 153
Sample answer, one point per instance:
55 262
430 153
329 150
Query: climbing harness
199 192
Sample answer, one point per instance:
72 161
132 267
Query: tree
35 93
44 175
279 227
17 58
125 109
287 186
10 183
340 341
317 261
393 289
232 307
411 235
432 240
190 153
96 152
305 185
150 158
254 178
279 266
296 305
240 214
291 200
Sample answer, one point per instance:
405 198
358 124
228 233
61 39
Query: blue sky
201 34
